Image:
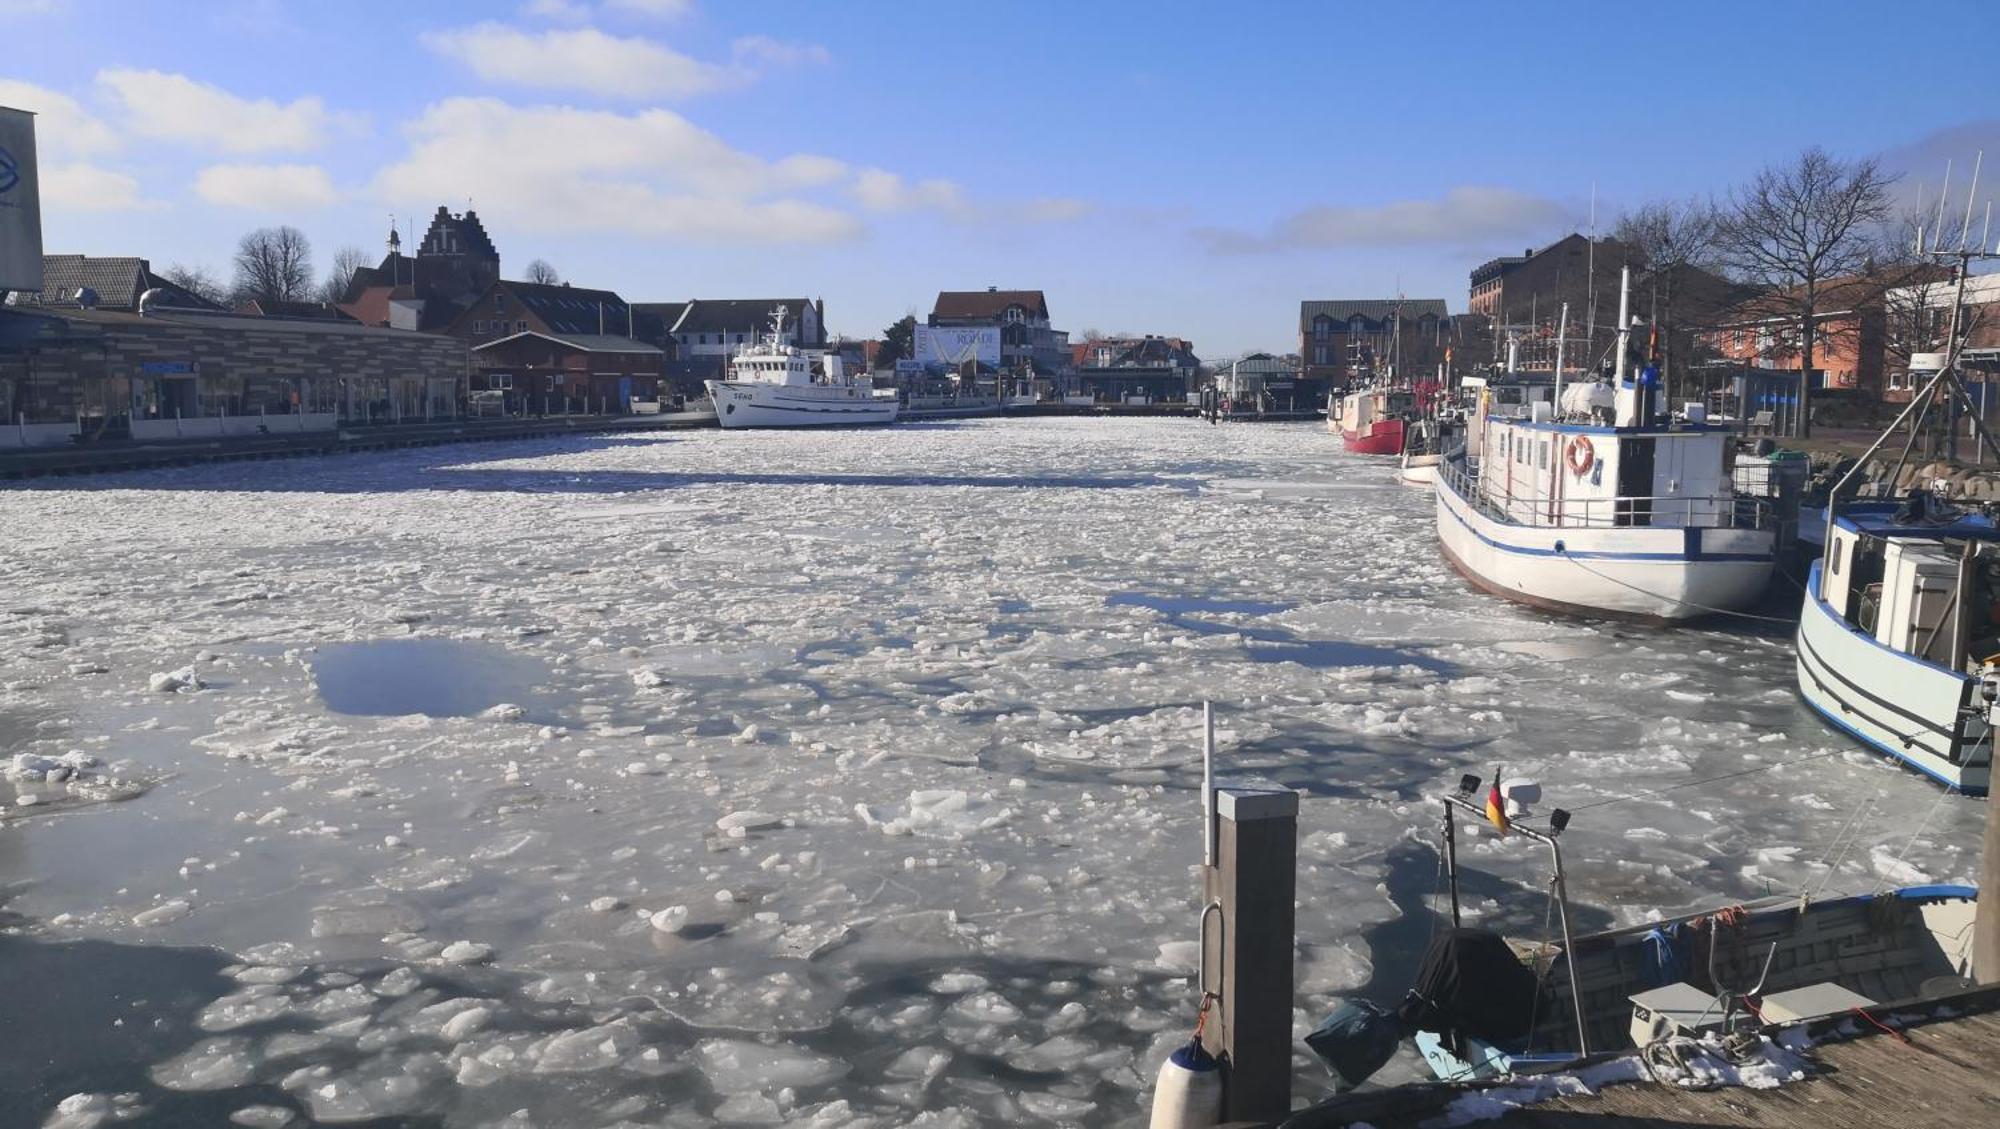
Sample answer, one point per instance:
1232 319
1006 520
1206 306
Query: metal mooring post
1254 877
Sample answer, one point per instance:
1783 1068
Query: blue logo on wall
10 171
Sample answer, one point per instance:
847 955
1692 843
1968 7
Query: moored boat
1371 421
1899 634
772 384
1604 506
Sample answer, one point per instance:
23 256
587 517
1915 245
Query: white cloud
1470 214
761 51
88 188
62 127
613 66
266 188
879 190
656 9
650 173
172 107
567 11
582 59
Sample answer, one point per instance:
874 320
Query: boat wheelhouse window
1839 551
1542 455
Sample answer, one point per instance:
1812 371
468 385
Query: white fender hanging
1188 1094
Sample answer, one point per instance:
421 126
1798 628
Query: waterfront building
557 347
1848 335
1258 381
701 334
1028 342
1342 338
78 372
1118 369
113 283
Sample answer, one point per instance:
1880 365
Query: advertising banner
948 347
20 204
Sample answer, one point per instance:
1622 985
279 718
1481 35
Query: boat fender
1581 455
1188 1094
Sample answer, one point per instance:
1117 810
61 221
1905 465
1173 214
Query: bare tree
340 276
1794 230
1917 293
199 281
273 264
540 271
1675 245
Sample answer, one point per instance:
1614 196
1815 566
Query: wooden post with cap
1253 878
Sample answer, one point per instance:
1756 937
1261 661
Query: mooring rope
1672 599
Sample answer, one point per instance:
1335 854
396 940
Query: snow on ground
826 779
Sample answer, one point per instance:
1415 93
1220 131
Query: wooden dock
1944 1071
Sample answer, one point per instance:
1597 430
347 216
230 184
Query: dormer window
1014 315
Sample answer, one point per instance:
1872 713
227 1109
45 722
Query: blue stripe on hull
1892 754
1445 484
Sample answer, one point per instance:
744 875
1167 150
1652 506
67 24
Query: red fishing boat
1371 420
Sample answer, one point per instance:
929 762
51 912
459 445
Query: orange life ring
1580 455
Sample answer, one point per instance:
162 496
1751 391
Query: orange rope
1201 1019
1900 1037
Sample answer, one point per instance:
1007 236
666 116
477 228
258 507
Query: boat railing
1729 511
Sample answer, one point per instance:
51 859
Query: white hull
1419 470
1901 706
740 404
1657 574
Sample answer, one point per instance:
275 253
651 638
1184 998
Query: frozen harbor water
839 779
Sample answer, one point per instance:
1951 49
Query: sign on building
950 346
20 204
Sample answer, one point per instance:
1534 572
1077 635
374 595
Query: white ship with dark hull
772 384
1600 505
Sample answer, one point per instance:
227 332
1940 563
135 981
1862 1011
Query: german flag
1496 805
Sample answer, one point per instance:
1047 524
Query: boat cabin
1930 590
1539 471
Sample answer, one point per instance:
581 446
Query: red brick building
538 347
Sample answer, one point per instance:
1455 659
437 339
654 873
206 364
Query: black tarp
1472 983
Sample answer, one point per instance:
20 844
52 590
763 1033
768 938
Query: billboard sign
20 204
950 346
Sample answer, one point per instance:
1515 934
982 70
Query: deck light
1468 784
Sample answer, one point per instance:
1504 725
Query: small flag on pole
1496 805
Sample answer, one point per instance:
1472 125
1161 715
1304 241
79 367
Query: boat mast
1562 331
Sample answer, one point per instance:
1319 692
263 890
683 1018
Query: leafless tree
1917 293
1796 229
1675 271
346 261
197 280
540 271
274 264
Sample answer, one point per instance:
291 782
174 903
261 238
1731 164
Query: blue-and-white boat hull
1910 709
742 404
1652 574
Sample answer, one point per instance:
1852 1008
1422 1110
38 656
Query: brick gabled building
1342 338
567 347
455 262
1027 338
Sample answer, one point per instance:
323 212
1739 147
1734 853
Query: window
1542 456
1014 315
1319 354
479 327
521 326
1322 328
499 303
704 339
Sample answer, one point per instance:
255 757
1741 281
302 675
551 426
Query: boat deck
1943 1076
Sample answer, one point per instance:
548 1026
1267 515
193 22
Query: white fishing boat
1899 635
1602 505
772 384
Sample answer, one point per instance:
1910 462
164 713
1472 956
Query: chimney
993 290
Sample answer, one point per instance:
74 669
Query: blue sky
1181 168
